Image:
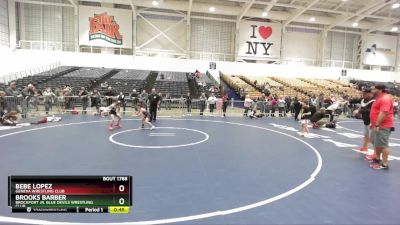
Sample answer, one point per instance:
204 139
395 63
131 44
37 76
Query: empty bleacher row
43 77
78 78
173 83
127 80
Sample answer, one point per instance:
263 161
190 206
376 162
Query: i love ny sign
259 40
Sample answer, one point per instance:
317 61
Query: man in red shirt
382 124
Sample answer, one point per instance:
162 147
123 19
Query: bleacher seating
41 77
127 80
78 78
240 86
274 88
203 83
173 83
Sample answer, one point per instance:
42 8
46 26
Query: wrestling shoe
380 166
374 162
370 157
362 149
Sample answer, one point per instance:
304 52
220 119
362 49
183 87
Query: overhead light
394 29
355 24
264 14
344 0
312 19
395 5
155 3
211 9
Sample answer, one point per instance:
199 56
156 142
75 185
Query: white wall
297 44
212 36
46 23
341 46
13 59
145 32
4 33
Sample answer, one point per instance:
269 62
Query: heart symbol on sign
265 32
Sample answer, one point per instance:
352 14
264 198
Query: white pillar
237 41
12 24
397 62
188 36
134 31
105 50
76 29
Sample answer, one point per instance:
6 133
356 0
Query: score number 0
121 188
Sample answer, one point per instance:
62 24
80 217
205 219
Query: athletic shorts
380 139
304 121
113 112
367 131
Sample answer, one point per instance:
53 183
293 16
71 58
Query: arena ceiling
351 15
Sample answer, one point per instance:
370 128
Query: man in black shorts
154 101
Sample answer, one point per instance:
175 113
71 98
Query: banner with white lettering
105 27
380 50
259 40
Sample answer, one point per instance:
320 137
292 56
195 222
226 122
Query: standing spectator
225 102
274 106
212 100
297 108
167 101
320 101
110 93
281 107
382 124
261 103
189 103
121 99
60 101
248 102
288 101
27 94
365 111
161 100
154 101
14 97
96 100
48 100
203 100
134 97
143 97
35 98
83 94
268 106
67 93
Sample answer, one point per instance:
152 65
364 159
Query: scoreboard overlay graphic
70 194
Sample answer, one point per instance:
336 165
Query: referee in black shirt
154 101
